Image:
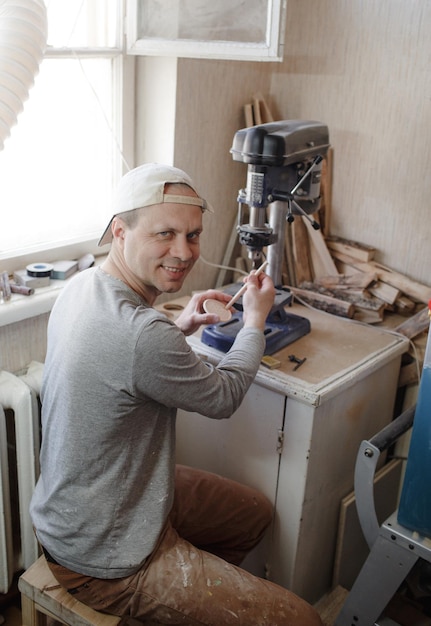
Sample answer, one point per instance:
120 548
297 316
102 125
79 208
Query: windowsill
20 308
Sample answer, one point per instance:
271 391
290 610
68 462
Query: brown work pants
192 577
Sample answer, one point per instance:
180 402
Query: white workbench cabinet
295 437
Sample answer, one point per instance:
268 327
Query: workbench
296 436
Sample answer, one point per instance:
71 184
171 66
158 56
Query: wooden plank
331 604
358 297
327 178
325 303
323 263
289 260
404 306
256 111
385 292
354 249
39 586
301 251
415 325
30 615
265 113
412 288
248 115
368 316
347 270
361 280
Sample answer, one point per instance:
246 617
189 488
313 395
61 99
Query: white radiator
18 397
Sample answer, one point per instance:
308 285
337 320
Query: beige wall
363 67
23 342
209 99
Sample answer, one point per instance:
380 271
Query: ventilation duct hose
23 37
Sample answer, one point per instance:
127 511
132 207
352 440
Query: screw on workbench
296 360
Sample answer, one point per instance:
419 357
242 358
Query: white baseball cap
145 186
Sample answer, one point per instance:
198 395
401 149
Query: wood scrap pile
257 112
343 278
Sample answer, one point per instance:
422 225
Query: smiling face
155 251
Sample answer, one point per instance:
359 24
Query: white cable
223 267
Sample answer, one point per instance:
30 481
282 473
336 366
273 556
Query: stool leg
382 573
30 615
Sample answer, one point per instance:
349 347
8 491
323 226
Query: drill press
284 162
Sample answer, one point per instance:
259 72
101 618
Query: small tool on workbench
296 360
270 362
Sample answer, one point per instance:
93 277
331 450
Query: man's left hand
193 316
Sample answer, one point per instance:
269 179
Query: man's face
160 250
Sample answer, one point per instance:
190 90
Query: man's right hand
257 300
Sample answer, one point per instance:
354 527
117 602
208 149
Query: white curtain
23 36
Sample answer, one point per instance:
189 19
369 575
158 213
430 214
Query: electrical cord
223 267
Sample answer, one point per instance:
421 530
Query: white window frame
124 98
271 50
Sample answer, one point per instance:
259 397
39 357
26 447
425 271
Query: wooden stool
41 595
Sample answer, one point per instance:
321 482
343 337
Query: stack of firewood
343 278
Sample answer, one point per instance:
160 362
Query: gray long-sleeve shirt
115 373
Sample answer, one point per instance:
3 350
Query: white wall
155 109
209 101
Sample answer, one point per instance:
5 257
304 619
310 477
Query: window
225 29
65 155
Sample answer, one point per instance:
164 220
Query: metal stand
394 549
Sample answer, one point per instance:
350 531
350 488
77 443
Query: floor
402 610
330 605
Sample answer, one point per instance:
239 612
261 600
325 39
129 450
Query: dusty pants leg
218 515
185 581
183 585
